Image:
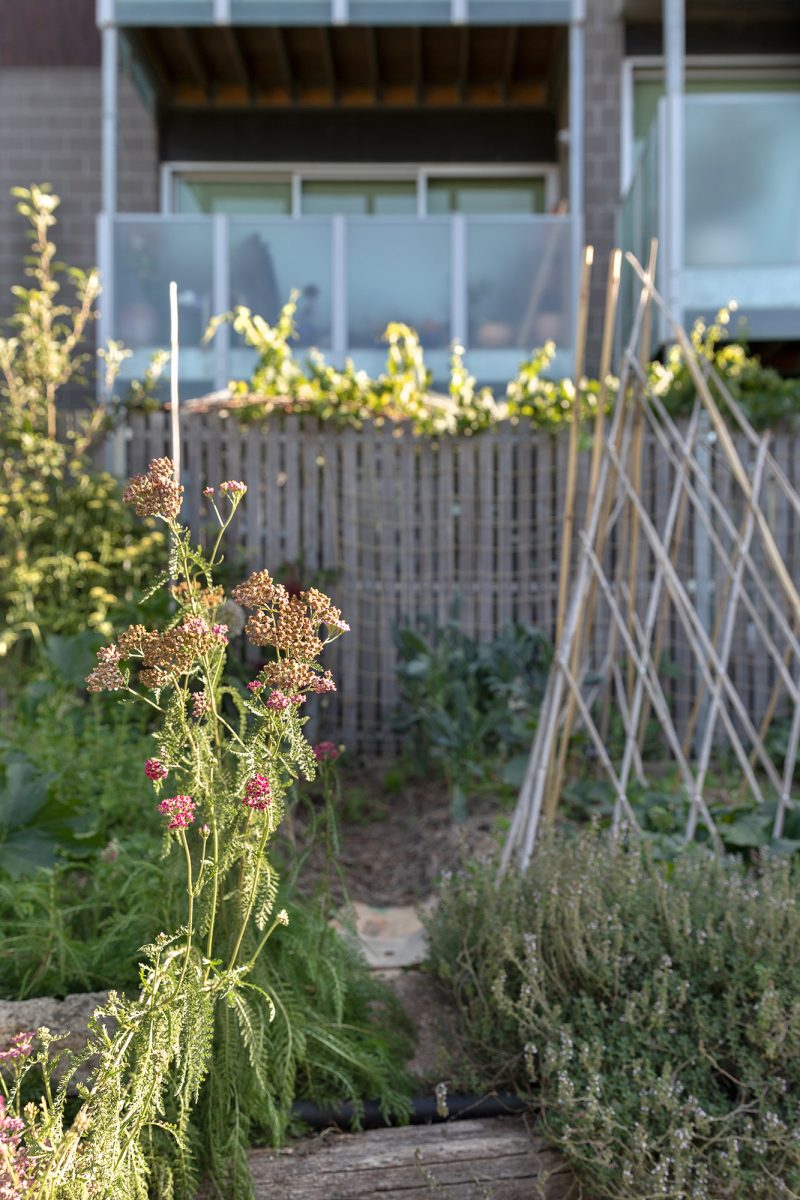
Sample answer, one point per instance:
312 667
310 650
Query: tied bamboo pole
609 325
525 823
574 437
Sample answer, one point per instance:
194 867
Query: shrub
280 382
653 1009
71 555
469 706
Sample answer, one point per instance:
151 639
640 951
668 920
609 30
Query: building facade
438 162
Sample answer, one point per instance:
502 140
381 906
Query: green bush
71 554
652 1011
469 706
282 382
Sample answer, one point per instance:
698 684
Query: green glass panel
492 197
378 198
232 196
648 92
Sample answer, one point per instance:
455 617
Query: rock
69 1016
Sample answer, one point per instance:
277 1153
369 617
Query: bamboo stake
705 652
785 799
774 608
651 682
726 642
574 436
529 802
636 452
729 449
609 322
654 606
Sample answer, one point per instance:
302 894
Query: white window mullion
221 292
458 279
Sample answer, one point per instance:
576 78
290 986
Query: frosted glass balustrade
398 270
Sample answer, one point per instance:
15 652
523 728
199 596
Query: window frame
705 67
297 173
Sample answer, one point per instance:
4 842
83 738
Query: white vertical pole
110 100
674 21
174 399
577 117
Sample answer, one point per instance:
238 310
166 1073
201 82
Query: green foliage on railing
281 382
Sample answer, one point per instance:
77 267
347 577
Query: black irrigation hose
425 1110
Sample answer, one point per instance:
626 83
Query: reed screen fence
403 527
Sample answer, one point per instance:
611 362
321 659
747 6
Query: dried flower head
260 591
206 597
324 611
179 809
155 494
106 676
256 792
200 705
154 769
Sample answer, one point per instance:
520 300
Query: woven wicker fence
404 526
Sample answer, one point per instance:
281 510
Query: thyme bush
652 1010
154 1107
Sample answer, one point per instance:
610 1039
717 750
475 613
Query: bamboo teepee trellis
628 578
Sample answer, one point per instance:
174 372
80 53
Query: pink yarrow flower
278 700
179 809
233 487
325 752
255 685
324 683
220 632
19 1046
297 699
208 491
256 792
154 769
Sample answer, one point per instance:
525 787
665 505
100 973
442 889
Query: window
246 197
492 196
332 191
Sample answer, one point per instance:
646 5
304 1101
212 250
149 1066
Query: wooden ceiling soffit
351 66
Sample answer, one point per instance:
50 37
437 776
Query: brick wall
50 132
604 54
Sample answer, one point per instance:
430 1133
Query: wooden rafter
374 63
233 39
284 61
417 65
463 65
191 52
509 59
329 61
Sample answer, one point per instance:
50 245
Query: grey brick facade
50 132
604 54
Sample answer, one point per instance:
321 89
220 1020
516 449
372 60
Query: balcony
338 12
499 285
741 232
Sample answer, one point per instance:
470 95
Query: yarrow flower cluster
154 769
156 494
179 809
325 752
19 1046
163 655
233 487
256 792
200 705
15 1167
278 700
